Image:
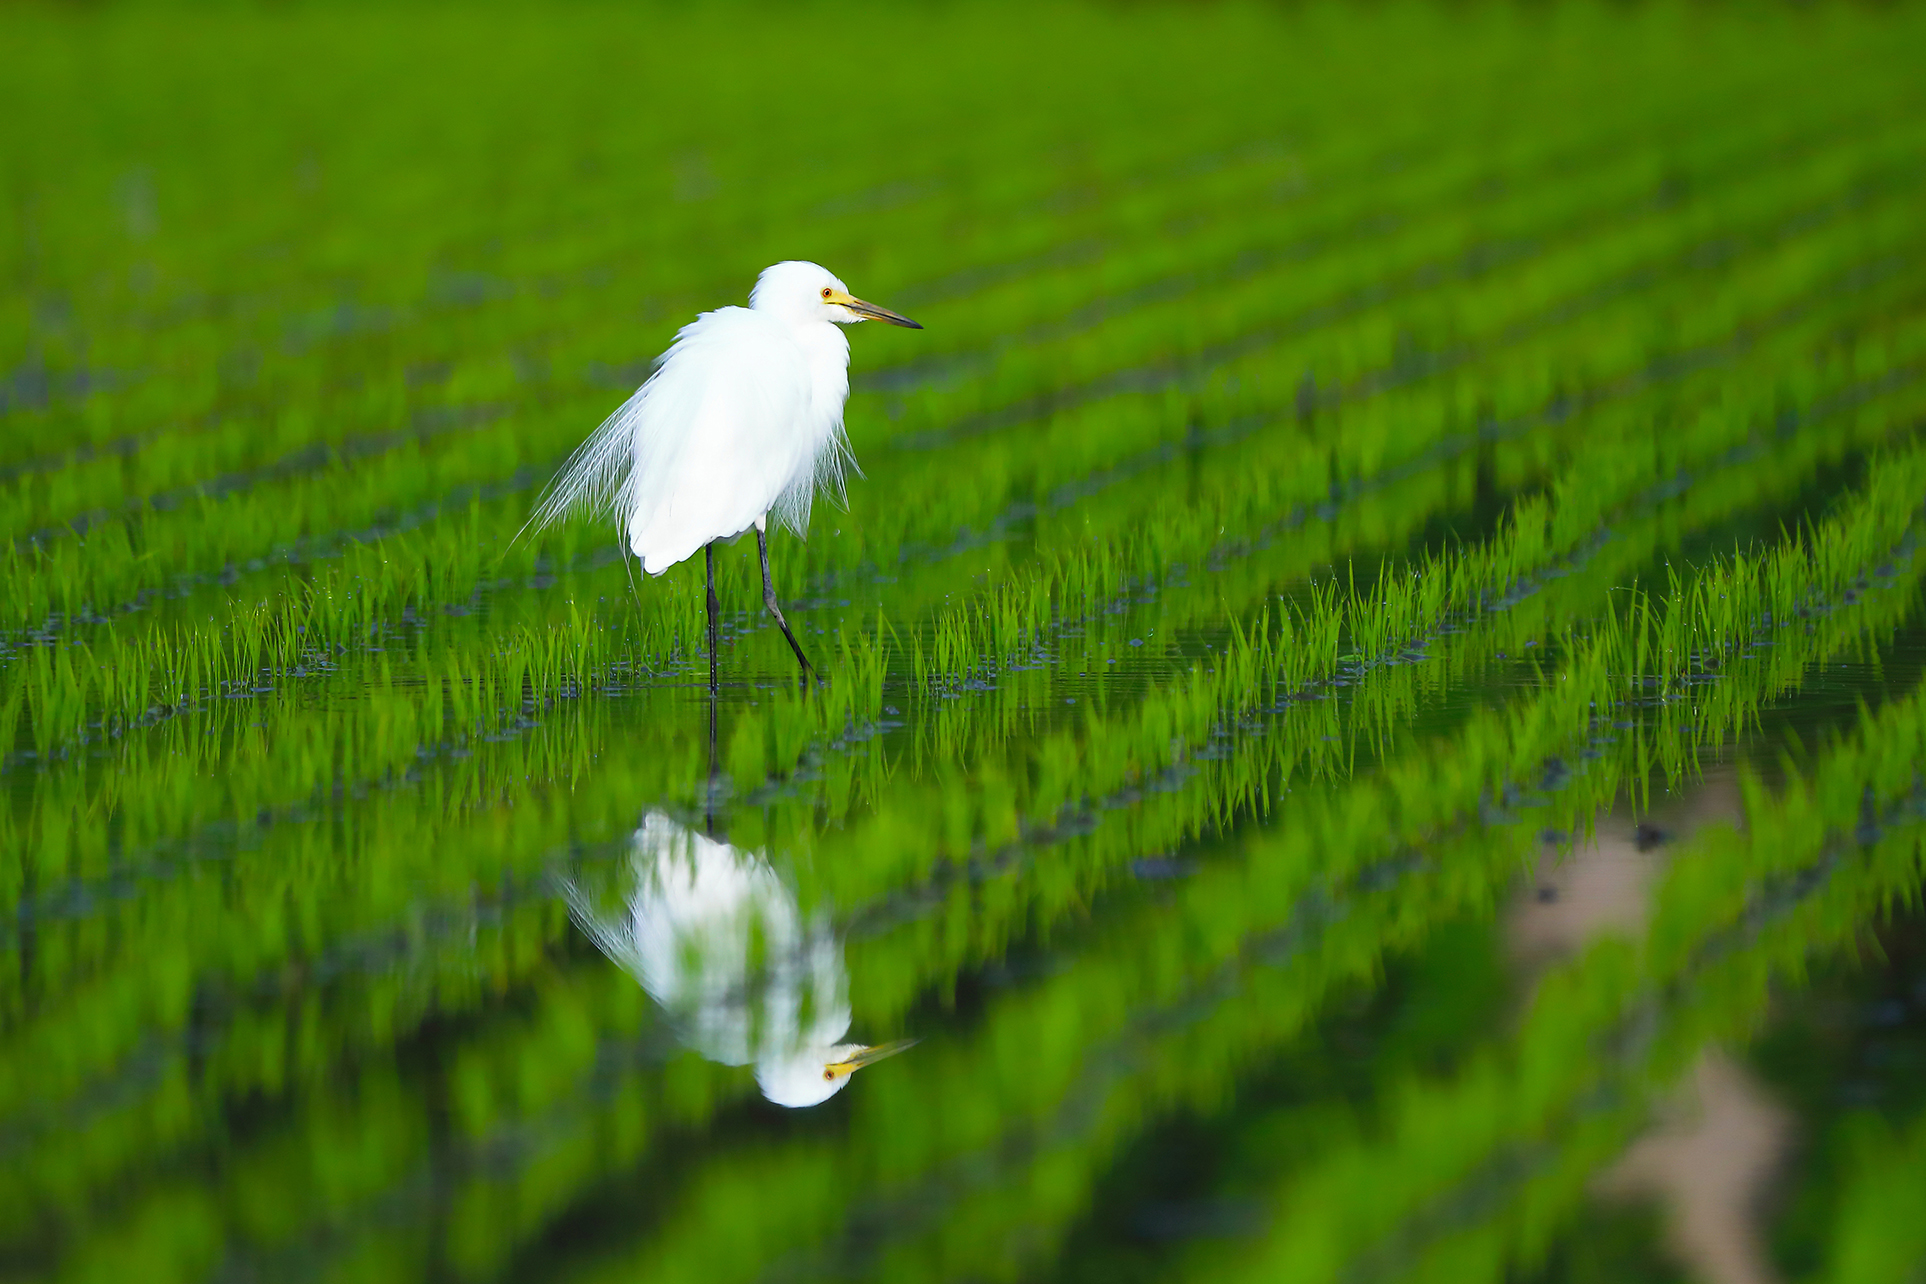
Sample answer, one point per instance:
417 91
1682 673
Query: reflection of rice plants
1310 492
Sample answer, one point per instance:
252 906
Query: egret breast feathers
742 417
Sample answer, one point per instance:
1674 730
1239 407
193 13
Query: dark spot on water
1224 1217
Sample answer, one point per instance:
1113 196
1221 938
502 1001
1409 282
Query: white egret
717 940
742 418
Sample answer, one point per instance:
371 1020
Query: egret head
814 1075
804 292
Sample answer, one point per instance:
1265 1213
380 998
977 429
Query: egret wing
718 440
724 431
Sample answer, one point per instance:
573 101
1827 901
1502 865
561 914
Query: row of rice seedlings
1432 157
119 560
793 185
251 439
1432 179
1584 249
1599 790
178 792
1376 203
1166 727
534 642
1525 441
510 669
231 444
306 918
1597 474
1198 1077
1014 619
1238 684
470 544
480 636
438 723
139 678
278 509
1804 573
1738 913
371 589
1708 383
1599 1040
1125 751
223 796
1566 690
1246 911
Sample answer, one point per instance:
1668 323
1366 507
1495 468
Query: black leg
715 777
709 556
769 600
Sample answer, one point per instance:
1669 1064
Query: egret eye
828 1075
827 292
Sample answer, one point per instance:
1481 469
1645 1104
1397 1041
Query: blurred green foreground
1374 705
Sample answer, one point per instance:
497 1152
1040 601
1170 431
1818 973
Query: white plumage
717 939
742 418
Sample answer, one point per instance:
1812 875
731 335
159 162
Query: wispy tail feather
598 479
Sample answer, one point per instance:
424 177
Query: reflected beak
868 1056
869 311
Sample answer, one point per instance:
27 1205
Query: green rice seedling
1190 1040
1150 135
1302 480
1663 982
1875 1236
1613 643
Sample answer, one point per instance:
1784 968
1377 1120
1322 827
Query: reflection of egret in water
716 938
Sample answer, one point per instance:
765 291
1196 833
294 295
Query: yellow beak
869 312
867 1056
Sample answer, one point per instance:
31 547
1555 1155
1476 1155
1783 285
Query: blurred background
1373 677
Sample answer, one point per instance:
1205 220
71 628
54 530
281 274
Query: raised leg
769 600
709 556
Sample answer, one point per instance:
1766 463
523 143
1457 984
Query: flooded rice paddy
1372 697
